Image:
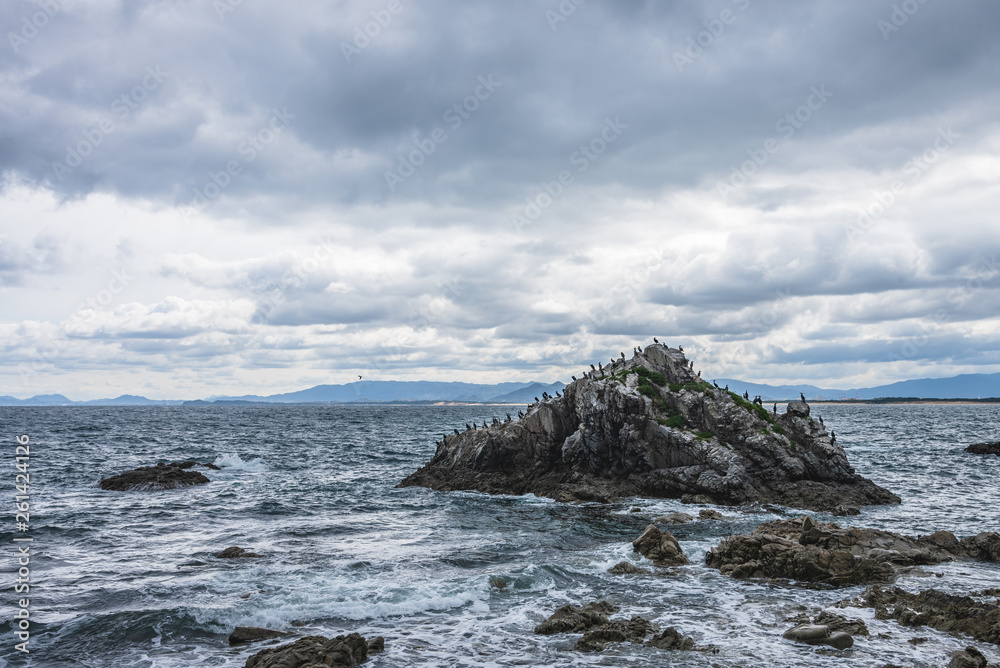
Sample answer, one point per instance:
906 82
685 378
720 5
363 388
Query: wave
231 460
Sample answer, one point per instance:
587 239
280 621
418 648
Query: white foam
231 460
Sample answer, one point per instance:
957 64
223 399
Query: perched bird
573 377
727 388
599 367
833 437
557 393
456 432
774 409
536 400
623 355
803 396
545 395
746 395
654 340
467 427
520 414
699 373
680 348
508 417
821 420
593 368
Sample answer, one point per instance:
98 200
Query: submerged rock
650 427
598 631
660 547
153 478
818 634
712 515
237 553
247 634
984 449
825 552
315 651
674 518
950 613
628 568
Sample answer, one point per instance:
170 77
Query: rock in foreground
317 651
153 478
825 552
819 634
950 613
650 427
984 449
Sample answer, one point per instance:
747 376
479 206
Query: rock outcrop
236 552
984 449
598 630
650 427
660 547
825 552
314 651
819 634
950 613
154 478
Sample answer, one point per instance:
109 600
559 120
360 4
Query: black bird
803 396
746 395
833 437
699 373
545 395
593 368
692 364
654 340
573 377
467 427
520 414
680 348
774 409
508 417
599 367
727 388
623 355
536 400
557 393
456 432
821 420
359 377
714 383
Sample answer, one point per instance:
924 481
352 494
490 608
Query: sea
129 580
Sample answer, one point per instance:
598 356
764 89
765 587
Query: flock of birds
599 371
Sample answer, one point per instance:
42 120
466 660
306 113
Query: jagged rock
660 547
153 478
236 553
650 427
949 613
845 511
576 619
498 583
970 657
246 634
818 634
671 639
835 622
825 552
632 630
315 652
628 568
376 645
674 518
712 515
984 449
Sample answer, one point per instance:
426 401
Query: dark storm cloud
219 82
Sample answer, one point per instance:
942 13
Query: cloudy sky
240 196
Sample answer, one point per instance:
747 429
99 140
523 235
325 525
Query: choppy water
128 579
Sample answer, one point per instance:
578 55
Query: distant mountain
968 386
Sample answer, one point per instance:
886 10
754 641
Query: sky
234 197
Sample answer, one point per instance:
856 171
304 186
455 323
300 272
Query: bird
821 420
774 409
680 348
654 340
467 427
623 355
359 377
593 368
599 367
746 395
699 373
803 396
456 432
557 393
573 377
545 395
833 437
691 365
715 384
520 414
727 388
536 400
508 417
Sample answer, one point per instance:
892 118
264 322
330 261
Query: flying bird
359 377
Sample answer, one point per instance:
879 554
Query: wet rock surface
825 552
154 478
317 651
950 613
237 553
649 426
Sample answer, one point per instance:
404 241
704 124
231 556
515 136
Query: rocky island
649 426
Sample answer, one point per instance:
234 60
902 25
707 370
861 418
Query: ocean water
129 580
